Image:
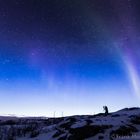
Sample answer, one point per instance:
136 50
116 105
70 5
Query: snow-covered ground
123 124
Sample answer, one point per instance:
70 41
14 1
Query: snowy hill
123 124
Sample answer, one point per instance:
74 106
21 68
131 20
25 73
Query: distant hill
123 124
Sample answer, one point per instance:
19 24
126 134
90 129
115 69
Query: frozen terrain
123 124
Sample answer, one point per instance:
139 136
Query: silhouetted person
106 110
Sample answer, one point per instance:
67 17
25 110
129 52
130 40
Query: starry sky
69 56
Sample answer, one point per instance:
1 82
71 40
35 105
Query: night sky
70 56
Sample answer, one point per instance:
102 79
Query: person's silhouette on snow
106 110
